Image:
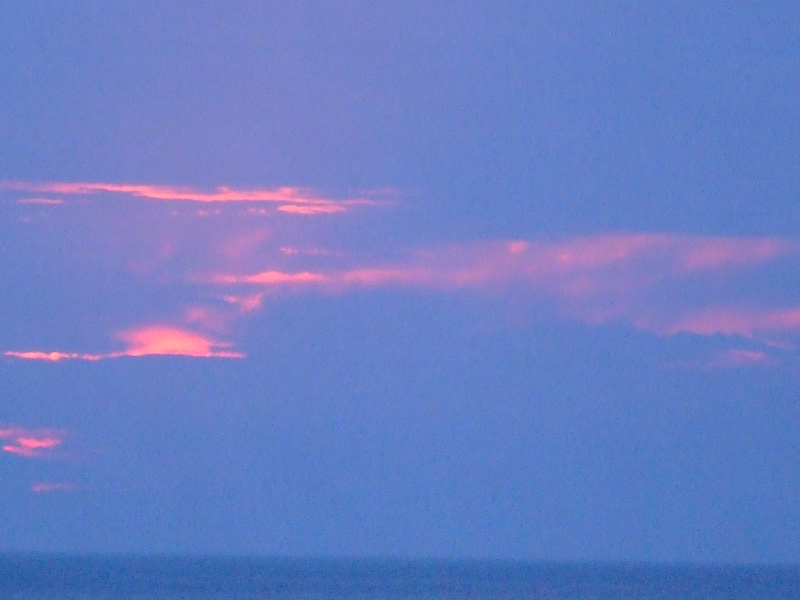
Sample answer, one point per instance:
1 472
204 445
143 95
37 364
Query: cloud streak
41 201
732 358
46 487
289 200
593 279
740 358
580 264
473 264
741 322
52 356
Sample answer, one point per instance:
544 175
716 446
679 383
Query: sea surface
57 577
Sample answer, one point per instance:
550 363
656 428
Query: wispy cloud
735 321
593 279
654 282
578 265
292 200
732 358
738 357
46 487
207 275
292 251
312 209
270 278
40 201
52 356
31 443
245 303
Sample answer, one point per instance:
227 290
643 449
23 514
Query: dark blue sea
39 577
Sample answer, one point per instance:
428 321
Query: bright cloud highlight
30 443
147 341
160 340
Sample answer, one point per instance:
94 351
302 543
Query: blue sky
466 280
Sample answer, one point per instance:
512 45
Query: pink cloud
664 255
741 358
291 199
731 321
156 340
207 317
44 201
593 279
356 277
730 359
245 303
292 251
47 487
273 278
314 209
409 276
27 446
244 244
53 356
203 212
259 212
576 266
30 443
704 254
658 282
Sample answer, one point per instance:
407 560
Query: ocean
61 577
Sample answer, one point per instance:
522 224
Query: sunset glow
157 340
147 341
440 280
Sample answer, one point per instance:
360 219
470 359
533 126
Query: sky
511 280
